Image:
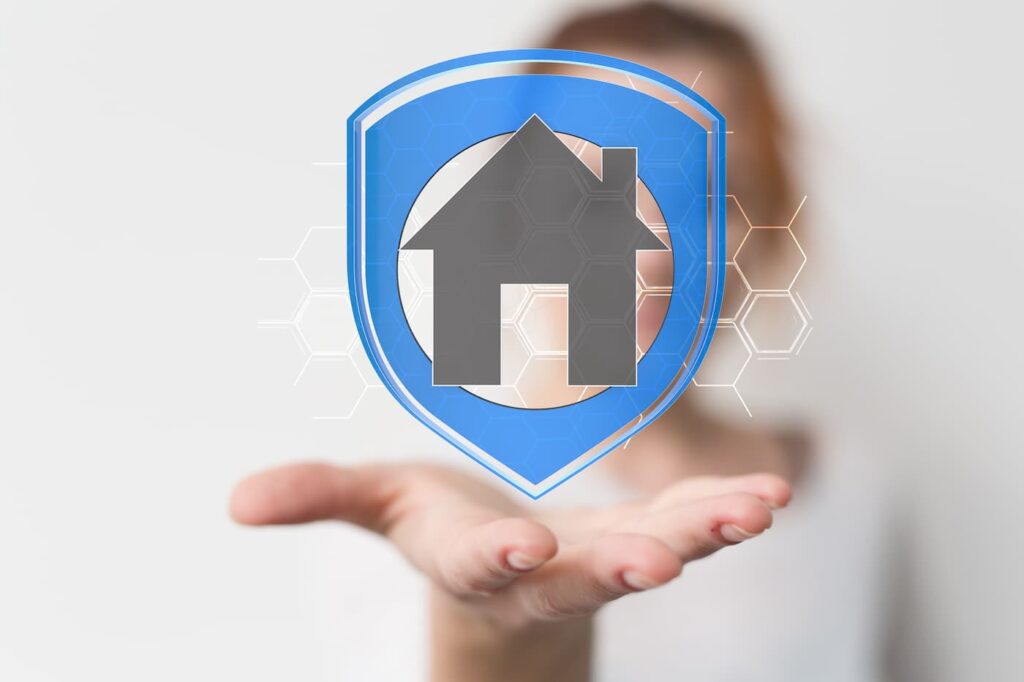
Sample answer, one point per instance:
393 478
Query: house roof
535 182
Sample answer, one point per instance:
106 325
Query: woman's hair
655 26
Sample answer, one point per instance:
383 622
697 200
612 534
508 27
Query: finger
584 577
314 491
772 489
575 526
466 548
487 556
697 529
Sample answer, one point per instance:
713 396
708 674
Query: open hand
504 562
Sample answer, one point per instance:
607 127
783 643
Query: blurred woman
516 588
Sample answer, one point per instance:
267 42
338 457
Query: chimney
618 170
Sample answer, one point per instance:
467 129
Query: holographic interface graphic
441 136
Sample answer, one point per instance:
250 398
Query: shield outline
715 253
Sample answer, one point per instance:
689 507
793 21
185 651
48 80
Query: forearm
468 647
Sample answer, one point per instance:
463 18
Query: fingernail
735 534
521 561
638 581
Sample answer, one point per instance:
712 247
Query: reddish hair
655 26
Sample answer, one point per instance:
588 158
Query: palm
478 546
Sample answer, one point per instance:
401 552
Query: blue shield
401 138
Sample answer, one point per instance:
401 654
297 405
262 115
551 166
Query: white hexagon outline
773 294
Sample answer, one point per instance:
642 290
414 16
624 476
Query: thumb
314 491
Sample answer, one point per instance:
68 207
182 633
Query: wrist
470 642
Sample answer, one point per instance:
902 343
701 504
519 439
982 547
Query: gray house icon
535 214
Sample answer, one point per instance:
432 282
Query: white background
150 153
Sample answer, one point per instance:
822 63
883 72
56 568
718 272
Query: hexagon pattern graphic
308 297
763 316
309 302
